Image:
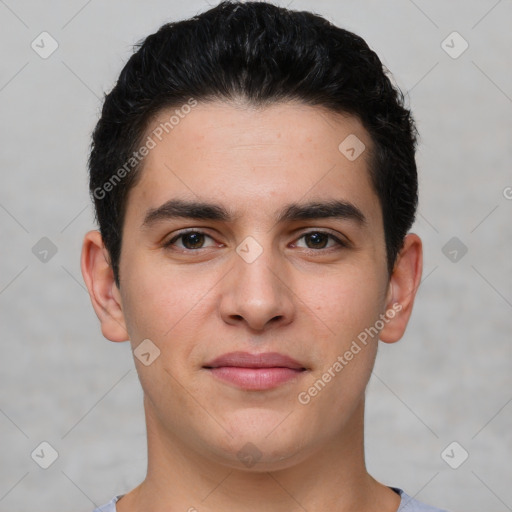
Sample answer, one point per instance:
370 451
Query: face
253 259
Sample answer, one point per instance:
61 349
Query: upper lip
247 360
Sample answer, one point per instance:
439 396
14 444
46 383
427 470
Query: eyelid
183 232
340 240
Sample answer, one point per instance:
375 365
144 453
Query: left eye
320 240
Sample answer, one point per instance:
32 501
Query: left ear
403 285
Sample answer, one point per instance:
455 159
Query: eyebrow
179 208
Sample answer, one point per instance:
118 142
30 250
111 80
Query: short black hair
262 54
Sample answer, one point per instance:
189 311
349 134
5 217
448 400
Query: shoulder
110 506
409 504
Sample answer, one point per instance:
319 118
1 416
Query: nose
257 293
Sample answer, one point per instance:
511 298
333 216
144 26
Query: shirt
407 504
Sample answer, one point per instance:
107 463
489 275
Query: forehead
254 160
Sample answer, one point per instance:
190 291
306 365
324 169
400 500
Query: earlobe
99 279
403 285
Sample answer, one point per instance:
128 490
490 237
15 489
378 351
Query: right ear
99 279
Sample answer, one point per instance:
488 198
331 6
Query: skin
297 299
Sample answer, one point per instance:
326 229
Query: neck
332 477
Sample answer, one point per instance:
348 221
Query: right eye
190 240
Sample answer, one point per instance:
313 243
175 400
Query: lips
246 360
255 371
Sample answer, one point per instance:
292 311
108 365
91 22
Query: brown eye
191 240
316 240
320 240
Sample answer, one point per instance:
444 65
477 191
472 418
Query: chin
259 443
259 457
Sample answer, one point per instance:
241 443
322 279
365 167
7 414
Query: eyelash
339 243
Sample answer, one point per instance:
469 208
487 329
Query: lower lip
255 378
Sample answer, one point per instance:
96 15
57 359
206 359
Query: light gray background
450 377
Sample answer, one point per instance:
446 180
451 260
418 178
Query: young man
254 180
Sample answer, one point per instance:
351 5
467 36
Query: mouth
255 372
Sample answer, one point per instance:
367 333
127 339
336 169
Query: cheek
159 299
344 307
345 302
345 355
168 307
